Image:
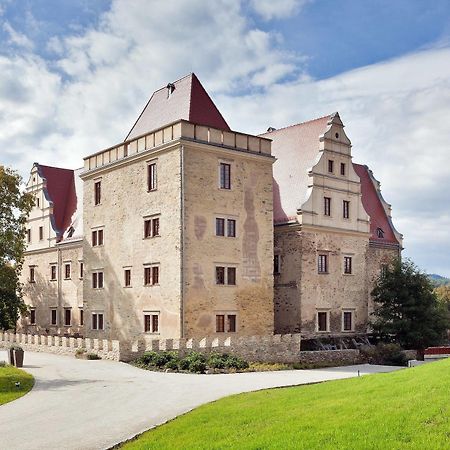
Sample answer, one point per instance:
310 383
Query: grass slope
409 409
8 377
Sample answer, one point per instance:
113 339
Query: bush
147 359
226 361
194 362
92 356
80 352
172 364
15 347
2 363
236 362
385 354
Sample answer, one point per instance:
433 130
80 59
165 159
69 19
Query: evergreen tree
14 209
406 308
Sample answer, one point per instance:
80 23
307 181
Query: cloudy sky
74 75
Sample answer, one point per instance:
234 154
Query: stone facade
175 233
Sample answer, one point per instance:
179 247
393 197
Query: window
97 280
81 269
347 265
97 321
226 275
380 233
327 206
70 232
97 238
41 233
225 319
32 279
330 166
53 272
53 318
231 322
151 177
220 227
151 275
127 277
276 264
67 317
67 271
37 202
32 316
322 321
343 169
29 235
346 209
347 320
225 176
151 227
323 264
383 270
231 275
220 275
151 322
81 317
97 192
230 227
125 150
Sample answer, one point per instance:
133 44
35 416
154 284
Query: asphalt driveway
78 404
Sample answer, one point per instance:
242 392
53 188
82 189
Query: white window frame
152 313
226 267
97 313
150 266
226 219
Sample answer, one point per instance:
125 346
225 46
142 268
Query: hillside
439 280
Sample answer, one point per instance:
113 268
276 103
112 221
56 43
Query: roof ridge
54 167
297 124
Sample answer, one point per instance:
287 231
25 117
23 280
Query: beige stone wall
249 202
125 202
45 294
300 291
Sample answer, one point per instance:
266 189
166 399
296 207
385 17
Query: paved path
79 404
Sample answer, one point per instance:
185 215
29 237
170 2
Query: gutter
182 221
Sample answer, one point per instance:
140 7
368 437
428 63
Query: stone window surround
226 267
95 181
227 313
151 313
323 310
95 240
348 255
353 312
150 266
97 271
325 253
55 265
65 264
67 308
97 313
151 218
33 315
55 322
80 269
230 162
32 273
148 164
125 268
226 218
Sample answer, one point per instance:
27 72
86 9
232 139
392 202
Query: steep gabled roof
184 99
296 148
375 207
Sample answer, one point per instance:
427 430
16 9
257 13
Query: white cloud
277 9
396 113
16 38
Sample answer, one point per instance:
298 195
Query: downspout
182 242
59 305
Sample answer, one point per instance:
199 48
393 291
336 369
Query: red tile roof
373 204
296 148
60 190
188 101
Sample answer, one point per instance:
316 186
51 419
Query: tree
406 308
443 295
15 206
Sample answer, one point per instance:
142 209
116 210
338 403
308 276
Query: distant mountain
439 280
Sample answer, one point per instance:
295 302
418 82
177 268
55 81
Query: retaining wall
62 345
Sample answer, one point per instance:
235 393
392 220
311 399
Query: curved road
78 404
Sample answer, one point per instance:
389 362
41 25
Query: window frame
127 277
331 166
67 310
225 175
32 316
348 265
346 209
97 192
343 172
226 322
53 267
54 311
152 227
32 274
352 320
222 272
319 312
67 264
327 206
152 176
322 263
152 322
41 233
96 315
149 274
98 282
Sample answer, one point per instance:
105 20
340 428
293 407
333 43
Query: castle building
189 229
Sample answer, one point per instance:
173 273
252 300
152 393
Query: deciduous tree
407 309
15 206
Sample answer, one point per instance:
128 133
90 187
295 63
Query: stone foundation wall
62 345
338 357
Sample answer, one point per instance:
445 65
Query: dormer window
170 89
380 233
70 232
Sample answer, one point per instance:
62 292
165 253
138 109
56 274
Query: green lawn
8 377
409 409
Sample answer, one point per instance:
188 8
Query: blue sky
74 75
